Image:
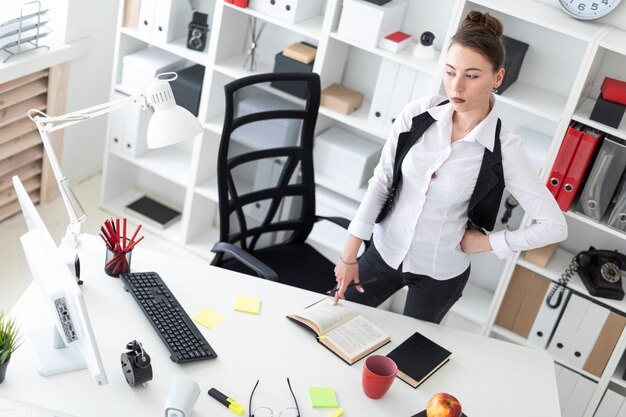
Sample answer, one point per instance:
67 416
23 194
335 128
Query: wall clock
588 9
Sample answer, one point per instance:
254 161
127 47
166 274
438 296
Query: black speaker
198 29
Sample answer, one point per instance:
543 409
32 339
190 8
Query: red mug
378 374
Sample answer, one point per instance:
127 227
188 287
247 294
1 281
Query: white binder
587 334
609 405
568 326
622 410
546 320
379 110
565 383
118 126
171 20
147 12
580 397
136 126
401 93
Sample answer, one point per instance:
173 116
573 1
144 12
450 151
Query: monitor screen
70 344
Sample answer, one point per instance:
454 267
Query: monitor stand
50 354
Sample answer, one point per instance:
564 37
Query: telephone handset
600 271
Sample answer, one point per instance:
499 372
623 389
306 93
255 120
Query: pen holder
117 262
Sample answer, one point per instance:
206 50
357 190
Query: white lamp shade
171 126
170 123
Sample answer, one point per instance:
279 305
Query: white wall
89 84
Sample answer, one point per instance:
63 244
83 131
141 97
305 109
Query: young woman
451 185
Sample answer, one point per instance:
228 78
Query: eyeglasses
262 411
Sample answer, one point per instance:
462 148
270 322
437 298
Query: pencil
352 284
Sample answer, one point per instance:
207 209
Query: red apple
443 405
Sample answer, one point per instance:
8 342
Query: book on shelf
418 358
153 212
348 334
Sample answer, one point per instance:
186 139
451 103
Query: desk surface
489 377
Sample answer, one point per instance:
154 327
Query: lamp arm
46 124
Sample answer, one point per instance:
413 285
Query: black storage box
188 87
515 51
285 64
607 112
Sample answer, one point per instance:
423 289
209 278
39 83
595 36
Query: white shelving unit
559 81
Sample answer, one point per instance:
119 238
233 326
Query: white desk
489 377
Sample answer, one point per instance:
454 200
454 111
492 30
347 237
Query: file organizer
603 179
164 20
617 218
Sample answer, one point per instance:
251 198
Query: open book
345 332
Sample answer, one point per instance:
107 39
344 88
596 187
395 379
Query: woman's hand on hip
475 242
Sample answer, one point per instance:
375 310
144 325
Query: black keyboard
177 331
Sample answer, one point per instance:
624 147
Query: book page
325 315
356 336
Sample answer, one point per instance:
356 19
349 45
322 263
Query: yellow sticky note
207 318
247 304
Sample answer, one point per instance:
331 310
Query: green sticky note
247 304
207 318
322 397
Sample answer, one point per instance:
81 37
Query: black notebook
417 358
152 211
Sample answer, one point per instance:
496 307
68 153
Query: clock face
589 9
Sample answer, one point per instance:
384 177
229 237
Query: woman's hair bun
477 20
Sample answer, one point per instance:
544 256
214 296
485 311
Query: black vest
482 210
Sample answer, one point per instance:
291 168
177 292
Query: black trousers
428 299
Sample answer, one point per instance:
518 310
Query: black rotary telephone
599 270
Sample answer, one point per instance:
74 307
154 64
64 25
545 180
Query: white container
139 68
292 11
367 23
345 156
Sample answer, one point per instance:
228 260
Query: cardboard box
367 23
614 90
515 52
300 52
341 99
345 156
607 112
139 68
286 64
541 256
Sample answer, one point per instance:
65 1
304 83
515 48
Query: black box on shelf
153 212
378 2
607 112
188 87
286 64
515 52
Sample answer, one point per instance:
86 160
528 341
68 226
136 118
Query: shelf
208 189
233 67
310 28
403 57
167 162
534 100
603 227
559 262
337 186
583 113
176 47
517 339
117 206
614 40
215 124
546 16
202 243
357 119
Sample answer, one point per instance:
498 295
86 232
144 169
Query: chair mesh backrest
265 161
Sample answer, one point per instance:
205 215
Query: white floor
14 273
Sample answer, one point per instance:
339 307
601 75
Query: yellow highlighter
226 401
337 413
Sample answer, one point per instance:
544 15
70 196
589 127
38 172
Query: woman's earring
495 89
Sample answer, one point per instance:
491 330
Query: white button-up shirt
423 232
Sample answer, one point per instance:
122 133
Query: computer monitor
70 344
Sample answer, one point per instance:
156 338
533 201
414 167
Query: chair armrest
245 258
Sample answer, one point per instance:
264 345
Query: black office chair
266 183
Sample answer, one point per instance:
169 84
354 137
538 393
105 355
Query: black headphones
136 364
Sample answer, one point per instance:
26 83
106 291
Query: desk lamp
168 125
